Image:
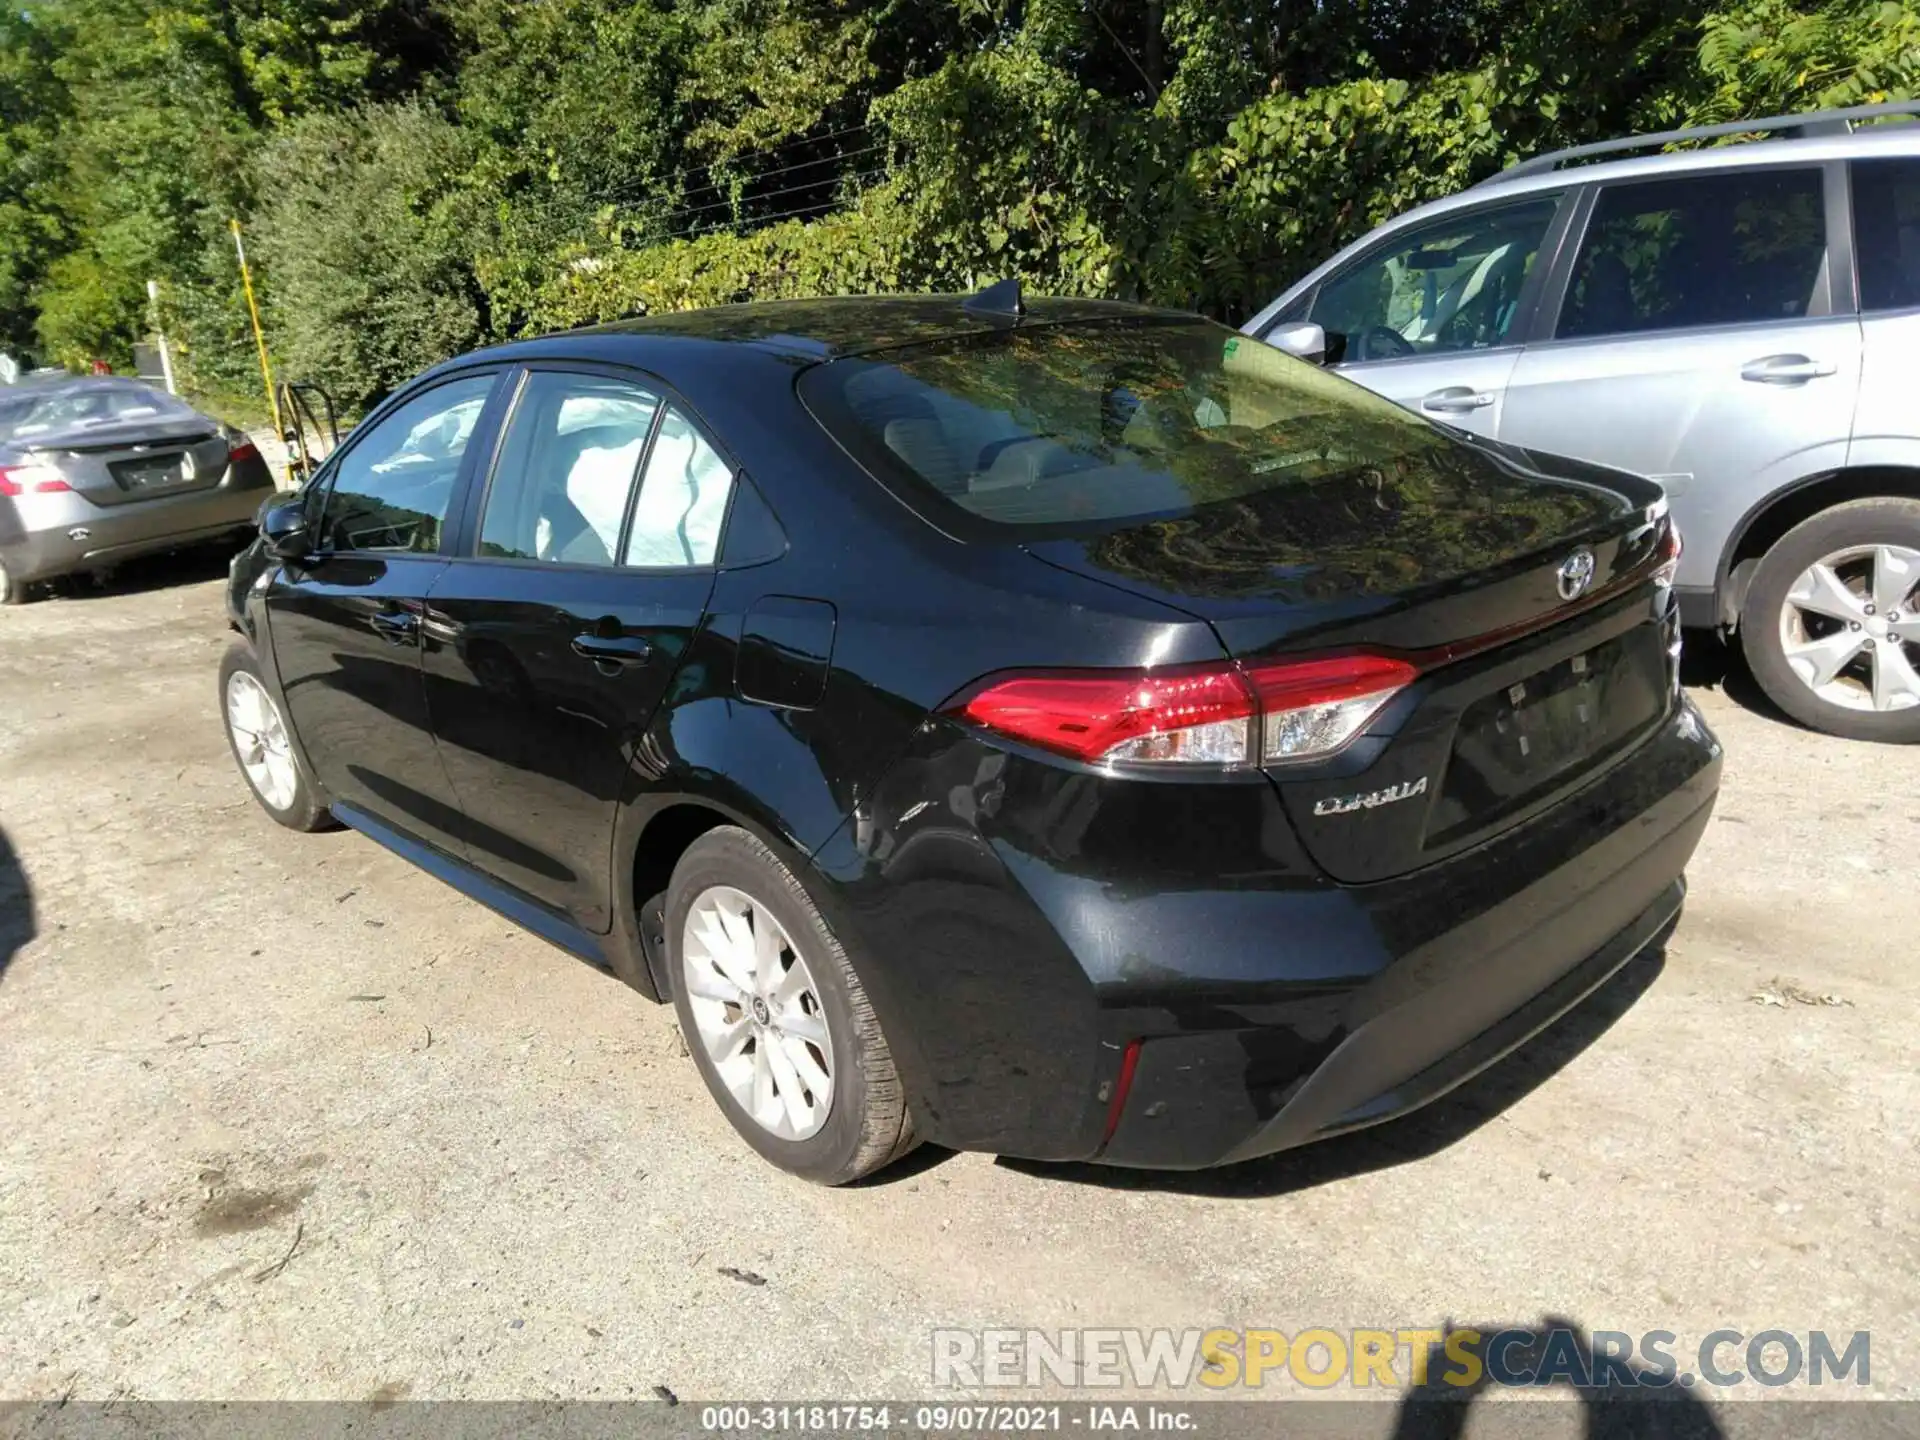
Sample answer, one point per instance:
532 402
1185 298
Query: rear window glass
84 407
1058 429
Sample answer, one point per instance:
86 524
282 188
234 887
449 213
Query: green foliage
1772 57
417 175
368 243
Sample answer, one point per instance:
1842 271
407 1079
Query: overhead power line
771 194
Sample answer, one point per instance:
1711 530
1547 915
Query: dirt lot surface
285 1117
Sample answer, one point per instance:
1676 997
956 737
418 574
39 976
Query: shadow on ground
1398 1142
1708 662
149 572
16 905
1618 1397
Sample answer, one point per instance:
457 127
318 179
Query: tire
12 591
289 795
863 1123
1867 545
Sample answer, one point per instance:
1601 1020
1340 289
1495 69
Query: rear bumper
51 535
1374 1051
1019 929
1586 889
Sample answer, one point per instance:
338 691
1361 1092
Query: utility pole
259 336
160 335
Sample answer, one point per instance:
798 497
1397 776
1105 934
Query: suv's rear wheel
12 591
775 1017
1829 626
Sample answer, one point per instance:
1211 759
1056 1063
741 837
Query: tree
367 234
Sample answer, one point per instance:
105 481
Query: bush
365 241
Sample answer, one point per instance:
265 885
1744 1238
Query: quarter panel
1886 426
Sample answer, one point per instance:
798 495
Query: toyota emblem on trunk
1575 574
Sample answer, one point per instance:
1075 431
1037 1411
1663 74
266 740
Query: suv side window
1886 232
1717 249
1451 284
392 487
683 499
565 476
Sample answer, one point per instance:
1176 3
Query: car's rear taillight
1218 715
1666 558
1312 708
242 449
1186 713
38 479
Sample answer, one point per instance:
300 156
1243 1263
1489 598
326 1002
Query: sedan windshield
1059 428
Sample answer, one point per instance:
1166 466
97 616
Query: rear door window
564 480
683 499
1886 233
1698 250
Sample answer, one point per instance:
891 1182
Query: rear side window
565 475
103 403
1060 429
1698 250
1886 232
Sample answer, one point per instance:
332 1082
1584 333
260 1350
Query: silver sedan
98 470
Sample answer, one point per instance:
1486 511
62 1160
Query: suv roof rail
1815 122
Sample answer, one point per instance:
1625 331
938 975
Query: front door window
1450 285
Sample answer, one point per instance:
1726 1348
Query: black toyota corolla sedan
1071 730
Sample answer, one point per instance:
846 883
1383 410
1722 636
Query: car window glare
1450 285
1066 427
392 487
561 487
683 499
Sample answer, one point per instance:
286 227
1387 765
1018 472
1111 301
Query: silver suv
1741 323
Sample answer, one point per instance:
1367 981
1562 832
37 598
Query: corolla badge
1575 574
1369 799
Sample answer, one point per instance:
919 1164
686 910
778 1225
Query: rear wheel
263 747
1829 626
775 1017
12 591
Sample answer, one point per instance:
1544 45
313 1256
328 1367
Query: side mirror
1303 340
284 529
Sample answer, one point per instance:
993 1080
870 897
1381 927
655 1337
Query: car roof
809 330
1868 142
1899 139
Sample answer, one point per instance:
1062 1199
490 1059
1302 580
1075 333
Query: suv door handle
1456 399
1785 370
395 626
610 652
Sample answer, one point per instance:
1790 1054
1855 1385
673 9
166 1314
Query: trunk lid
124 464
1526 692
1464 541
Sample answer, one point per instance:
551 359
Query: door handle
1456 399
611 652
1785 370
395 626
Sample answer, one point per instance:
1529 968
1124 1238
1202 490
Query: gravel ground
285 1117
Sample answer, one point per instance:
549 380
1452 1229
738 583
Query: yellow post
259 339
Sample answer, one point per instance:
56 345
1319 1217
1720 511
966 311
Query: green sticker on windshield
1231 346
